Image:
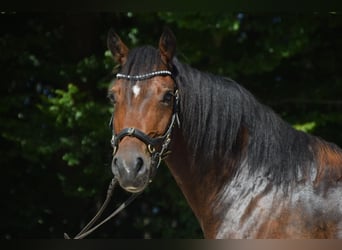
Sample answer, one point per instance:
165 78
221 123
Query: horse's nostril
128 166
139 164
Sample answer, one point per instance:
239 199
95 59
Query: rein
152 145
88 229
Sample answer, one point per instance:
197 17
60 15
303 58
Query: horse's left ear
167 45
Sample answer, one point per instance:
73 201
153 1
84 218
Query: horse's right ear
117 47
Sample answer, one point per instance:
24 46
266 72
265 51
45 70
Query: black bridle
152 143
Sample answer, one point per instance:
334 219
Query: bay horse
244 171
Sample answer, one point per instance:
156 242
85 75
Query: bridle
152 144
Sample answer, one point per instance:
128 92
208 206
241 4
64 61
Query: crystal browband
144 76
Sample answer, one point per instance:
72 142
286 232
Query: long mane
224 124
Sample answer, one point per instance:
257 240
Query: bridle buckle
130 131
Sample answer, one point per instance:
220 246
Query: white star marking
136 90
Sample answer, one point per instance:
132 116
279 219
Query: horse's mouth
135 186
134 189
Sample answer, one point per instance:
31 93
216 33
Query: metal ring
151 149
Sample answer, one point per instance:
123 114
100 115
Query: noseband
152 143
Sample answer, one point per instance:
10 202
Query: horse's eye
111 97
167 99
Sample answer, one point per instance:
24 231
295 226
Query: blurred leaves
305 127
54 113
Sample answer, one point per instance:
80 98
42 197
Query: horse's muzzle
132 169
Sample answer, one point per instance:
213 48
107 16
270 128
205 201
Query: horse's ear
117 47
167 45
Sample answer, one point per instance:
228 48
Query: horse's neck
213 194
199 191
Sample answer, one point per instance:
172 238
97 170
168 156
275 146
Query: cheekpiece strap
151 143
144 76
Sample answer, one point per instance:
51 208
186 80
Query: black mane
216 112
142 60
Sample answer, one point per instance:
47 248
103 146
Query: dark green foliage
54 139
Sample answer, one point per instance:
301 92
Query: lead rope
159 155
88 229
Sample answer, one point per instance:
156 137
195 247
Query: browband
144 76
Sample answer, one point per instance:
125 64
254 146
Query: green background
54 136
